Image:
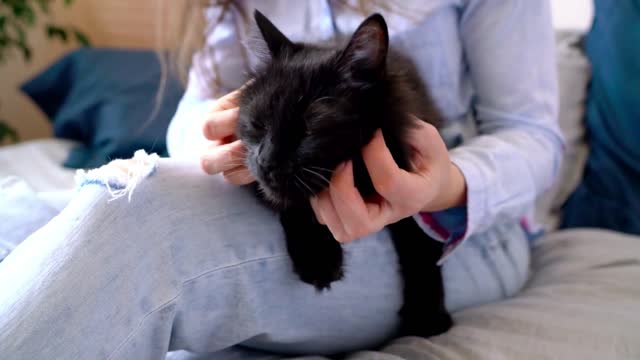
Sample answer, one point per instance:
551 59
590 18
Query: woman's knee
163 193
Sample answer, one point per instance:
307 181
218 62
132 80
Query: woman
194 262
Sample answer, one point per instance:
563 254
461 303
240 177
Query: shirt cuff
448 226
453 226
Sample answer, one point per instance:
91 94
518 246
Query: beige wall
122 23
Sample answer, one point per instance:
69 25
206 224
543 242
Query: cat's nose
269 172
263 161
266 168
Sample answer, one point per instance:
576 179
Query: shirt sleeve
220 67
185 139
510 54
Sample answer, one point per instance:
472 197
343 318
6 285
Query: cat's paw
316 255
320 277
426 326
321 267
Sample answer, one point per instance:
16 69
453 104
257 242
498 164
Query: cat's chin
281 201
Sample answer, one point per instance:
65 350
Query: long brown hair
179 34
183 29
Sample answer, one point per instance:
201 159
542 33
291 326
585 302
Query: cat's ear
366 53
277 42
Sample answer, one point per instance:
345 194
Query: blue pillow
609 195
105 98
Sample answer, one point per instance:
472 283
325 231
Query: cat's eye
257 129
256 123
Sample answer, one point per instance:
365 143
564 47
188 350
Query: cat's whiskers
321 169
323 178
298 185
299 180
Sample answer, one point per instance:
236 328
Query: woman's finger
426 141
223 157
229 101
381 214
316 210
221 124
239 176
329 215
385 174
349 204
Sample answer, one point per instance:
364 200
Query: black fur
312 107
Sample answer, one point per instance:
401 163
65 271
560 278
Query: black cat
311 107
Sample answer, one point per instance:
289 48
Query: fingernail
379 136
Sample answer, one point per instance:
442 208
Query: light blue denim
196 264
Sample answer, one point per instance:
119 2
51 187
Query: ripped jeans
192 263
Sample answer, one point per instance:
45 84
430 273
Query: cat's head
308 108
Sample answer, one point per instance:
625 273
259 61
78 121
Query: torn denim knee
120 177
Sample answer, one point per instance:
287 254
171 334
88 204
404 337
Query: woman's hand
226 154
434 184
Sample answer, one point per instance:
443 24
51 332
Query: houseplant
16 17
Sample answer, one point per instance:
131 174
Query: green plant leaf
20 33
18 16
23 11
55 31
81 38
3 49
21 41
